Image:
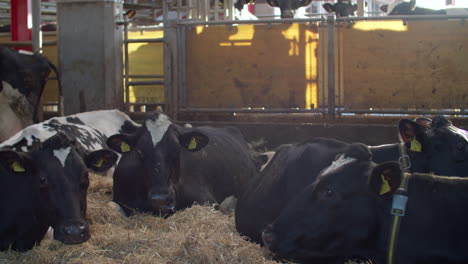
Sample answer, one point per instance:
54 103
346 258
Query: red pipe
20 30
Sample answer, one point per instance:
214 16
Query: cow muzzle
72 232
162 203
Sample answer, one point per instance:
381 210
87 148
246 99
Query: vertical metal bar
36 26
181 67
126 65
322 47
339 73
331 65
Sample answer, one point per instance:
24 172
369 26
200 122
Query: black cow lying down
434 146
165 167
353 197
44 176
23 76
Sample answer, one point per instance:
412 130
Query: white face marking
341 161
392 6
62 154
158 128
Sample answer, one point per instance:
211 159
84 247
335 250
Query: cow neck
398 204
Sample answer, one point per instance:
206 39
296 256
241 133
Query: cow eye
328 193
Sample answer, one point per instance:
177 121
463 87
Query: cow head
399 8
152 152
435 146
342 8
22 211
288 7
62 167
335 216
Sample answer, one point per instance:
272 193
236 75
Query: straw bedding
199 234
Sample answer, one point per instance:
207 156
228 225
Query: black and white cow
346 211
342 8
166 167
409 8
23 76
440 148
287 7
58 154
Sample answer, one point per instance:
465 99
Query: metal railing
329 108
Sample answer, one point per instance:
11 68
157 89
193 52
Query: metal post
36 26
90 54
126 66
361 6
331 65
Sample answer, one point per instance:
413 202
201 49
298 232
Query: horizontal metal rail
133 83
249 110
263 21
151 40
143 76
402 111
410 17
27 43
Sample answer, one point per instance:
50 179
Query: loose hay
199 234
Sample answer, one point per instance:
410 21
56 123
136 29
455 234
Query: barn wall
273 66
422 64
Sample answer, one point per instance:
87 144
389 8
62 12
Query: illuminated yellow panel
271 66
396 25
421 67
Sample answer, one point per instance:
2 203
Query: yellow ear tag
99 163
385 187
17 167
193 144
415 145
124 147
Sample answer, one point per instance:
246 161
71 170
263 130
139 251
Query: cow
287 7
347 211
23 76
342 8
60 152
437 147
410 8
166 167
39 192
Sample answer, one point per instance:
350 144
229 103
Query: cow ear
101 160
329 7
386 178
12 161
424 122
412 134
120 143
384 8
193 141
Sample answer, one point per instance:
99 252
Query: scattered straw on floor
199 234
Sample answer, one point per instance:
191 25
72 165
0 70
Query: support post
331 65
360 8
36 26
90 54
20 26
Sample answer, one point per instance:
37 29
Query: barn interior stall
276 79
